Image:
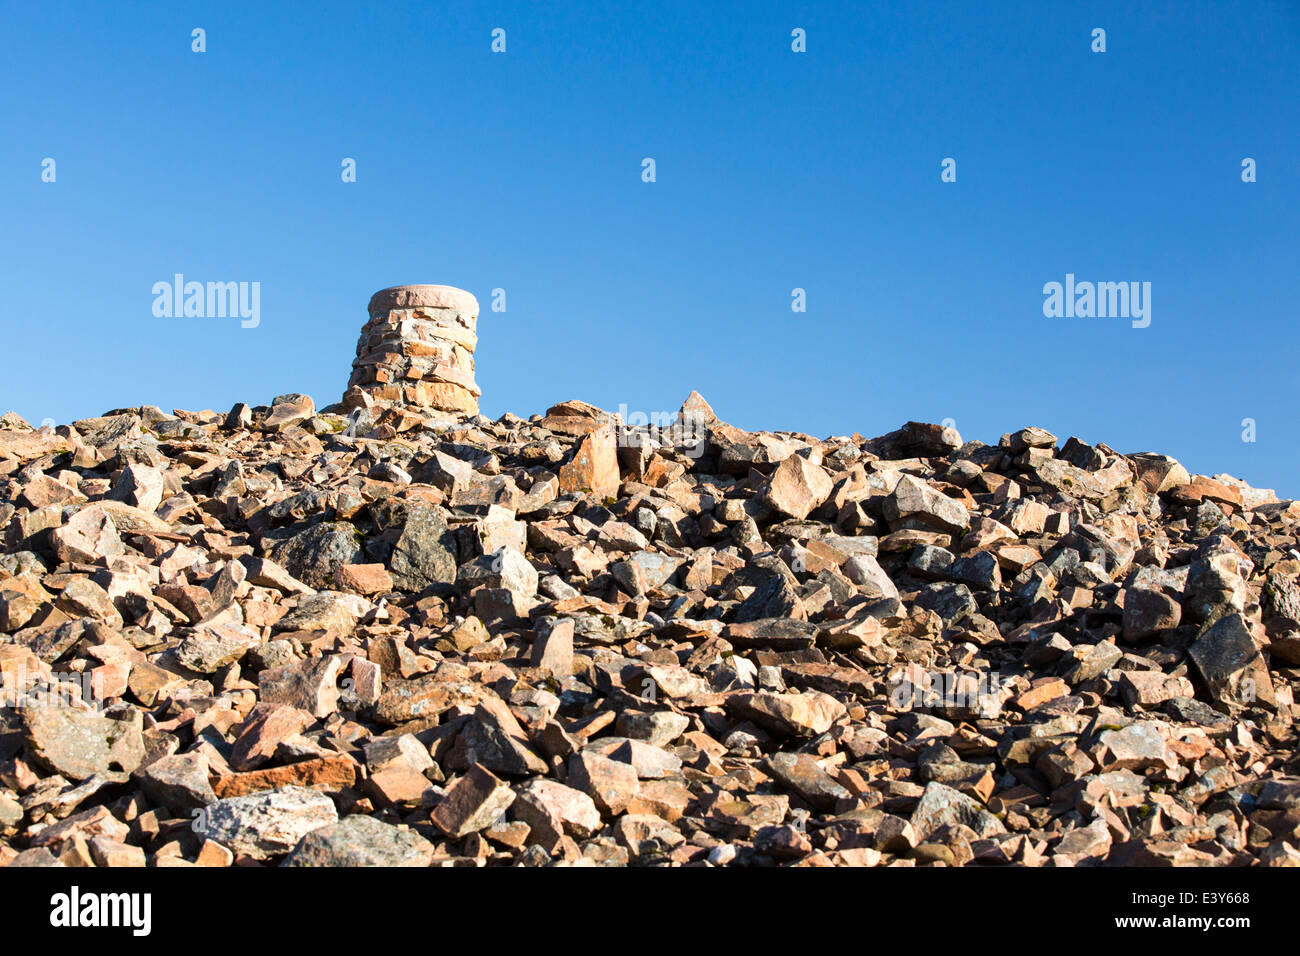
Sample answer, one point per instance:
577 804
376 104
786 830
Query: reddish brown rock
475 802
797 487
264 729
330 774
593 469
364 578
610 783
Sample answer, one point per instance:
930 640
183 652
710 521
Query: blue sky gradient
775 170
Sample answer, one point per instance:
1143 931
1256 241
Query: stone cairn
417 351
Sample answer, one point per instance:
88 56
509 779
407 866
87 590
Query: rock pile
418 350
286 636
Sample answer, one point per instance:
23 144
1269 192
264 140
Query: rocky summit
393 632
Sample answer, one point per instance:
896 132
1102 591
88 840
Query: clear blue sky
775 170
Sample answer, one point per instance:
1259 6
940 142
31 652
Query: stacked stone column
417 350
